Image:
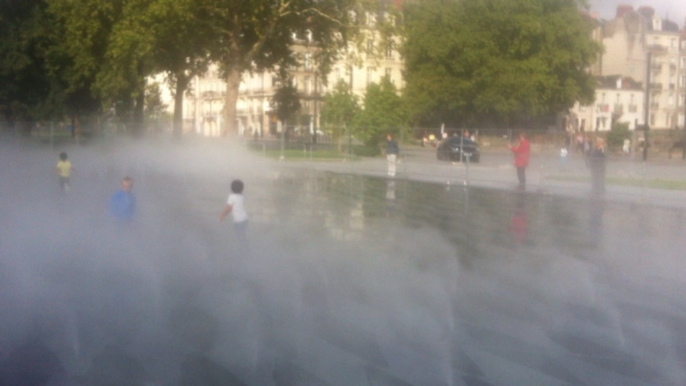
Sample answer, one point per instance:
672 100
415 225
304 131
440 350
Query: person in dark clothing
596 161
392 150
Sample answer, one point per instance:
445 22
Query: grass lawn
654 183
319 155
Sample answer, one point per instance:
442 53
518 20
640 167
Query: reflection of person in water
518 222
390 197
595 221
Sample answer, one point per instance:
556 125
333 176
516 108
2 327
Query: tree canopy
383 113
470 60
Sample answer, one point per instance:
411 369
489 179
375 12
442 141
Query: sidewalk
545 174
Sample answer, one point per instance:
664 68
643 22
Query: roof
611 82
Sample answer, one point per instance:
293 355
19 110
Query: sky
675 9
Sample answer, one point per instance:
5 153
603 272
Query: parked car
450 149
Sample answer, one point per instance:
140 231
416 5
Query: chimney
619 83
646 11
623 9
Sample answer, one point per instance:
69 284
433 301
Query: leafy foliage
340 108
617 134
471 59
285 102
383 113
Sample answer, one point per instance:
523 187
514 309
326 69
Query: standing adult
596 162
521 158
123 202
392 150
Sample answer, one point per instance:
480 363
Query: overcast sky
675 9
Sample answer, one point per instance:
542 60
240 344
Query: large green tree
470 60
383 113
340 108
258 34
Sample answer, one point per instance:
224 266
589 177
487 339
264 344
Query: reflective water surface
347 280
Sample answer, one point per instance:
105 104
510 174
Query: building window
370 46
370 75
631 98
371 19
683 81
308 85
618 98
389 51
388 72
308 61
602 97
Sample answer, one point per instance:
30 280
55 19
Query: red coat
521 154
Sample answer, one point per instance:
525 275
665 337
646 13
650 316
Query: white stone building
617 99
644 47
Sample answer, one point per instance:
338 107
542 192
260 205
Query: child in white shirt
236 206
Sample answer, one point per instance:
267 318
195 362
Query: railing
604 108
618 109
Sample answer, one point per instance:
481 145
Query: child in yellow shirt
64 170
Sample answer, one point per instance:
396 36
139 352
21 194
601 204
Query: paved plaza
350 278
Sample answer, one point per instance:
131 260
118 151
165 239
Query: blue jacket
122 205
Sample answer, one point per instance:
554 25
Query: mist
346 280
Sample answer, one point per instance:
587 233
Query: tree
468 60
27 88
383 113
119 43
340 108
258 34
285 102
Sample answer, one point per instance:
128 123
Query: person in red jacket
521 158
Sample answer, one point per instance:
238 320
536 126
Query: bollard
468 156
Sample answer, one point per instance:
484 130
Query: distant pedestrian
521 158
236 206
563 156
64 170
123 202
392 151
596 161
579 142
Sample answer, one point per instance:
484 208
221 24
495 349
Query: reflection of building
627 40
681 86
203 107
617 99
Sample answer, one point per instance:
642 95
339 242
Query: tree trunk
138 110
233 81
181 83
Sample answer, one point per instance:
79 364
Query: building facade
645 48
617 99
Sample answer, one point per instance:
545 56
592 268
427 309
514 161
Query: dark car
450 149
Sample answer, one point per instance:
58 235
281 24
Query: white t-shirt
237 207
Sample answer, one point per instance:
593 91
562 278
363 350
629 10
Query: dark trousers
521 176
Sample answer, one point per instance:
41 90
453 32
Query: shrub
617 135
365 151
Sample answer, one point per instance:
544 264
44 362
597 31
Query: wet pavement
350 279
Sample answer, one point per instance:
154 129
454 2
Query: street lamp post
646 113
